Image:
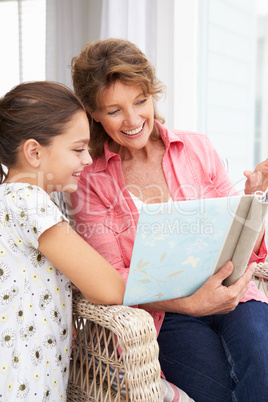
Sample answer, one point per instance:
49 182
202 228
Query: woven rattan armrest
116 354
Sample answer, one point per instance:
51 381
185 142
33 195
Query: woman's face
127 115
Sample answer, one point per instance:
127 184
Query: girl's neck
21 176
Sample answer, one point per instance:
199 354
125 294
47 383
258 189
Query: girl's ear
31 150
94 116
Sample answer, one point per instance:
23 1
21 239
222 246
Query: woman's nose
130 118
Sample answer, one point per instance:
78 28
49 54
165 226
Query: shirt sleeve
262 254
35 212
216 169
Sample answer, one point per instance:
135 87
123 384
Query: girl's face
65 158
127 115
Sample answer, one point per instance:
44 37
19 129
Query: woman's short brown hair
101 63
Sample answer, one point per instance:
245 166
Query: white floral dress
35 301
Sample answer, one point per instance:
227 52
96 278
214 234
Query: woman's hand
215 298
257 180
211 298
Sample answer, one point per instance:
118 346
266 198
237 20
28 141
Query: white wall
228 89
67 32
176 61
262 91
94 19
206 56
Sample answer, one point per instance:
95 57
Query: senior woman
213 344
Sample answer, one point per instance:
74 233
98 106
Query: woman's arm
97 280
257 181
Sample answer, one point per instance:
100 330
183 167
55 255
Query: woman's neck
143 154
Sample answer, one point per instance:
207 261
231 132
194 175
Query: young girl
44 136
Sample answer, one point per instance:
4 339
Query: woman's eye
113 112
79 150
142 101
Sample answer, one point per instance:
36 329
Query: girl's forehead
77 129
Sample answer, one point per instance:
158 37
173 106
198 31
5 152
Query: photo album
179 245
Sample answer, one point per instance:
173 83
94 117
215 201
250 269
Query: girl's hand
215 298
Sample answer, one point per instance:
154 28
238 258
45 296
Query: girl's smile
78 174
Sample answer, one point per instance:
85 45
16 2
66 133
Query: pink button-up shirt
106 216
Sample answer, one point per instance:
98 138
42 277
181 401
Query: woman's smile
134 132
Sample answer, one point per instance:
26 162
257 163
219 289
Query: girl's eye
79 150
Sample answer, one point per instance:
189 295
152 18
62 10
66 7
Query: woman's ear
31 149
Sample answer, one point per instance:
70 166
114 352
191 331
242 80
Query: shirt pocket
118 223
124 231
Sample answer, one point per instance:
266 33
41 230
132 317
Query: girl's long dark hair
38 110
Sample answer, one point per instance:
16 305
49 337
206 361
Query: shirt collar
169 136
101 162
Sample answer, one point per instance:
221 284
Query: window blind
23 41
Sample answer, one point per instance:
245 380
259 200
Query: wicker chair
98 372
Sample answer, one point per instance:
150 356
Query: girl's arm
97 280
104 220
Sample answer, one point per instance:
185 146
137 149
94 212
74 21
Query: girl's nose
87 159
